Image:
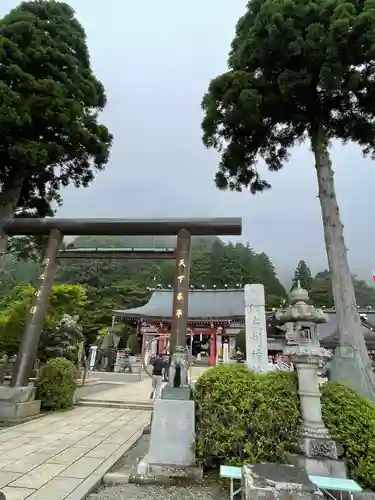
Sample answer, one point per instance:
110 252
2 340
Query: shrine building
216 317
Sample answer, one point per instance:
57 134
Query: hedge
351 419
233 417
56 384
246 417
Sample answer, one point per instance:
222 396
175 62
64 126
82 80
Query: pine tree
302 274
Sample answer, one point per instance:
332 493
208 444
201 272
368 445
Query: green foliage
302 274
64 299
321 291
49 134
56 384
213 263
291 76
351 419
97 313
242 416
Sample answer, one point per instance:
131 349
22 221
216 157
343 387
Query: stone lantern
319 453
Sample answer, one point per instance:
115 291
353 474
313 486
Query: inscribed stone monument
172 434
256 331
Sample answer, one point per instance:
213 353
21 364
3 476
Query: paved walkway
65 455
135 392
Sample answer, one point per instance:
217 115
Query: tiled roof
203 304
224 304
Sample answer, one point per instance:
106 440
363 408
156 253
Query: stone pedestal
172 433
18 404
278 482
171 457
320 454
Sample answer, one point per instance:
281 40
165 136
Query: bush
56 384
351 419
245 417
242 416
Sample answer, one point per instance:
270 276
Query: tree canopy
50 100
302 274
292 77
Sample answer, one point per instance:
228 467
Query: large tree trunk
351 363
9 197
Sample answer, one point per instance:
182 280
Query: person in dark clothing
158 368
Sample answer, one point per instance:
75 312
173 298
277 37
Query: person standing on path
157 376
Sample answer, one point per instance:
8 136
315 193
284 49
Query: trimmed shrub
246 417
242 416
351 419
56 384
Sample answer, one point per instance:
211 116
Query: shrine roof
329 335
203 304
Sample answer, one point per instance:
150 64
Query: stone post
255 328
35 321
92 357
180 311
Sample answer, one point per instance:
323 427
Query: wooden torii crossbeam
117 253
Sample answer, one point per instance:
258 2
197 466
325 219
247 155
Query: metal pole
35 321
180 309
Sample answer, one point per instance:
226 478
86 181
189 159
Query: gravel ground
154 492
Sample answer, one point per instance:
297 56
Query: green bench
336 484
326 484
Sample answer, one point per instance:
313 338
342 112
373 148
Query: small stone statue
106 355
178 372
64 342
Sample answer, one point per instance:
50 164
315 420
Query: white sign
255 328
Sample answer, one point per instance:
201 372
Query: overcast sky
155 60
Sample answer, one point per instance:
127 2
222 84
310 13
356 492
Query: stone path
136 392
63 456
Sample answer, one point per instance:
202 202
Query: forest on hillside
104 285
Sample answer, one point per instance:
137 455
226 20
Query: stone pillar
213 347
35 321
180 312
219 345
226 353
308 390
255 328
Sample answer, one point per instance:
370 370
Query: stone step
125 405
